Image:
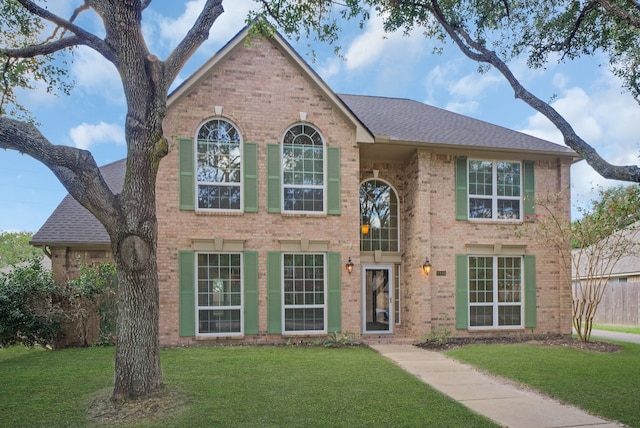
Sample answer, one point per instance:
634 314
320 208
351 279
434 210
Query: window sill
219 213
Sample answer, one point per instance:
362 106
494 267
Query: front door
377 299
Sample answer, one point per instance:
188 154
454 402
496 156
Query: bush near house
30 306
34 308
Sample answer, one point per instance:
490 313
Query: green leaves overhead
19 69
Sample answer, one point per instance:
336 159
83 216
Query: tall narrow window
218 166
219 293
304 288
303 175
495 190
378 217
495 291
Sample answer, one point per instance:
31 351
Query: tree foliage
19 29
34 309
31 311
95 292
491 33
14 248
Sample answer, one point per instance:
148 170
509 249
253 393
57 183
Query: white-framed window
219 287
304 283
218 166
303 170
495 291
379 217
495 190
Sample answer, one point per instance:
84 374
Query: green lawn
233 386
607 384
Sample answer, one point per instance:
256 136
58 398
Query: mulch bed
542 340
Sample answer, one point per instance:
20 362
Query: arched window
303 175
218 166
378 217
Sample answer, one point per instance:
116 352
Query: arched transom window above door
379 225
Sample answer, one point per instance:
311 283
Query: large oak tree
31 36
493 32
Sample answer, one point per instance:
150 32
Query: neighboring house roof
627 265
73 224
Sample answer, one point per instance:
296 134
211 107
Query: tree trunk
137 362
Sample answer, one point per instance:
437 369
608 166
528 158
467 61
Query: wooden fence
619 305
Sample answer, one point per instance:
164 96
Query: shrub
30 306
95 290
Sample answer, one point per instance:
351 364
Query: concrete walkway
615 335
498 400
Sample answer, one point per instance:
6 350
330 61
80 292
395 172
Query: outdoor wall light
426 267
349 266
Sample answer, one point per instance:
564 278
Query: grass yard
606 384
233 386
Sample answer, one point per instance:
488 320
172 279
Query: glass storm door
377 299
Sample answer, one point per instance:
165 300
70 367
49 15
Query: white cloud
473 85
95 75
168 31
467 108
602 116
86 135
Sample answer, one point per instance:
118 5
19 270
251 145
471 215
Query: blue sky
391 65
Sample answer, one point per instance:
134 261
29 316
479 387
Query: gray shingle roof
71 223
411 121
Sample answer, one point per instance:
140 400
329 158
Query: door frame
363 295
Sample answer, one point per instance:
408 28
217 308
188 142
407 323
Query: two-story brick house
286 210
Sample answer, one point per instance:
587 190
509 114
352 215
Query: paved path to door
500 401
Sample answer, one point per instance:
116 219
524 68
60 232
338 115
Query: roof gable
239 42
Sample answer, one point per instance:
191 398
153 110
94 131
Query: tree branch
194 38
43 49
626 16
83 37
85 182
477 52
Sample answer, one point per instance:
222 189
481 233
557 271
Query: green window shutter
462 291
274 292
187 317
462 198
187 174
250 158
528 191
250 276
333 180
530 306
334 302
273 178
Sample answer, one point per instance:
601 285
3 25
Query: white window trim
494 197
396 194
300 186
496 304
198 183
324 331
198 307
